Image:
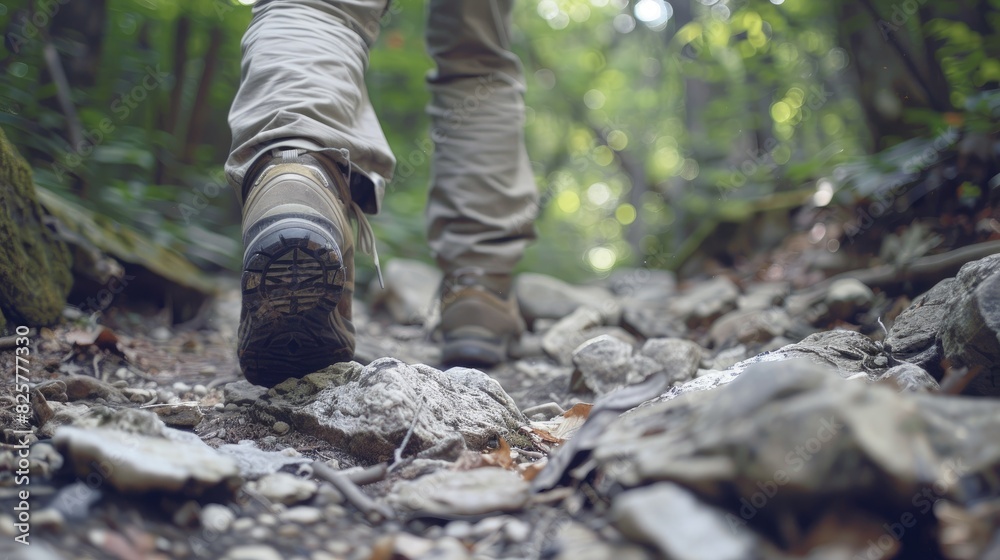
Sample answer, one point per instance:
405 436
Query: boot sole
473 352
293 279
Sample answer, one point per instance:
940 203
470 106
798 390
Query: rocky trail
720 419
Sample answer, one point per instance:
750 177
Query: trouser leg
303 86
483 199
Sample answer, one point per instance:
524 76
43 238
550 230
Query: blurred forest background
663 134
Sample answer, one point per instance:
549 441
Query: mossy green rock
34 265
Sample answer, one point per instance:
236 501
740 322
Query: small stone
231 407
119 384
912 378
333 511
217 517
252 552
281 427
678 357
200 390
410 546
603 364
545 297
410 288
705 302
846 298
180 416
218 406
267 520
517 531
7 527
244 524
48 519
180 387
285 488
289 531
242 393
475 492
304 515
208 370
458 529
259 533
681 527
564 337
122 373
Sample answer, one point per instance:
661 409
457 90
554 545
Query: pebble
220 406
305 515
252 552
181 387
119 384
337 548
517 531
49 519
334 511
322 555
7 528
267 520
231 407
259 533
217 517
281 427
121 373
244 524
289 531
208 370
285 488
458 529
200 390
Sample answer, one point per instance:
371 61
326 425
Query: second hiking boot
298 270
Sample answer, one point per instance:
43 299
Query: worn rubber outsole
293 279
473 352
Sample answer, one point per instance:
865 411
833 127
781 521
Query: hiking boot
298 269
479 318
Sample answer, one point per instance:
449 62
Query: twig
351 492
398 454
369 475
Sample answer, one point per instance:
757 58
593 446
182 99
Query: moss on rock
35 266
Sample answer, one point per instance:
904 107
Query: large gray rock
958 320
367 411
410 290
543 297
134 462
970 332
783 438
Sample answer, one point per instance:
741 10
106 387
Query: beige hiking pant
303 87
